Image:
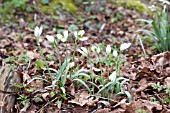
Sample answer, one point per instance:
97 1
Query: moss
134 4
50 7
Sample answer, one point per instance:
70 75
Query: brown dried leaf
83 99
45 96
150 105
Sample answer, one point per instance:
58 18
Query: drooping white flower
83 51
152 8
50 38
115 53
113 76
71 64
95 49
63 37
79 35
165 2
124 46
108 49
38 31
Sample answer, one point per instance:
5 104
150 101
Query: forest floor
147 74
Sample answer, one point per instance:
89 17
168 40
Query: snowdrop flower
38 31
50 38
63 37
115 53
112 77
95 49
79 35
108 49
83 51
152 8
124 46
70 65
165 2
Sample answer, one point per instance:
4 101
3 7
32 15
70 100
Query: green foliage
161 30
16 59
153 99
166 100
163 88
13 6
24 99
133 4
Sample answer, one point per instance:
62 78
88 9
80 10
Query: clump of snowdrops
114 80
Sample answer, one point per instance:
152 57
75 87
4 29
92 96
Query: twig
161 101
46 104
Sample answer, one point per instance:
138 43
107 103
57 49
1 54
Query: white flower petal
108 49
84 50
36 31
98 50
93 48
40 30
124 46
63 39
71 64
115 53
81 33
50 38
75 34
113 76
65 33
59 36
83 38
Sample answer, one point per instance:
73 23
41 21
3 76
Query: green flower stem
58 52
75 46
102 80
42 54
118 64
108 59
91 71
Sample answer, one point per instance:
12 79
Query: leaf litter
142 72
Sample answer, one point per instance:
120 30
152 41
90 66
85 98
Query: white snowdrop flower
95 49
63 37
112 77
38 31
108 49
152 8
124 46
115 53
50 38
71 64
165 2
83 51
79 35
